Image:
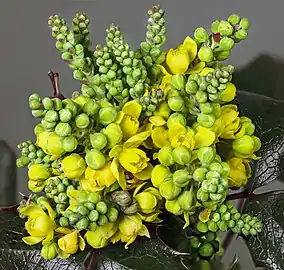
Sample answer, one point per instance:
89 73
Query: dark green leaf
268 116
267 248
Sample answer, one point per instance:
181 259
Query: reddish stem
240 195
54 78
11 208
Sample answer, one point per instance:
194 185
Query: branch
54 78
241 195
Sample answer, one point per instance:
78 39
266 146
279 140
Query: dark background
28 52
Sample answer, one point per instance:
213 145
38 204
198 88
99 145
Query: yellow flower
129 123
228 94
239 173
51 144
101 236
203 137
37 172
70 243
180 135
230 121
73 166
129 228
159 135
163 110
180 61
40 225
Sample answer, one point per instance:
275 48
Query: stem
240 195
54 78
11 208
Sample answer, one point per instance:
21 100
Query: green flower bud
112 214
101 207
194 241
47 103
165 156
82 120
206 250
212 174
82 210
63 129
94 197
186 199
48 125
178 81
122 198
176 118
181 178
113 133
214 26
90 206
231 224
72 218
64 222
93 215
202 195
216 167
212 226
168 190
60 207
181 155
107 115
176 103
201 97
226 216
92 226
206 108
173 207
98 140
206 120
222 226
244 23
241 34
82 224
244 145
234 19
202 227
65 115
34 96
226 169
206 155
22 162
225 28
57 103
95 159
70 143
200 174
226 44
201 35
91 108
62 197
191 87
205 54
131 209
38 113
34 104
51 116
223 55
49 251
102 220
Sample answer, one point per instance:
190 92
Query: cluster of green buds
212 176
225 33
31 154
72 50
226 217
125 202
132 66
91 212
155 37
56 189
204 245
110 74
151 101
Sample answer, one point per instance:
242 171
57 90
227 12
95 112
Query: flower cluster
151 131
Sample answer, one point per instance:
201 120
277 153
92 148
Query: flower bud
70 143
244 23
226 44
168 190
223 55
73 166
159 174
234 19
91 108
178 81
176 103
186 199
191 87
206 155
205 54
206 120
107 115
200 174
37 172
244 145
131 209
165 156
181 155
95 159
181 178
201 35
113 133
176 118
241 34
146 202
173 207
214 26
98 140
178 60
49 251
122 198
82 120
225 28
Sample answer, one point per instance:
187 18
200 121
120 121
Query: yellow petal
160 137
229 93
62 254
145 174
186 218
163 110
178 60
190 45
206 70
196 68
163 69
118 173
129 126
49 209
203 137
82 243
114 152
166 84
157 120
132 108
136 140
63 230
48 238
119 117
144 231
32 210
32 240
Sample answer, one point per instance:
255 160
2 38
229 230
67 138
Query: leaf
268 116
267 247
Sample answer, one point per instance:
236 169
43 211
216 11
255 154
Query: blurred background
28 52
